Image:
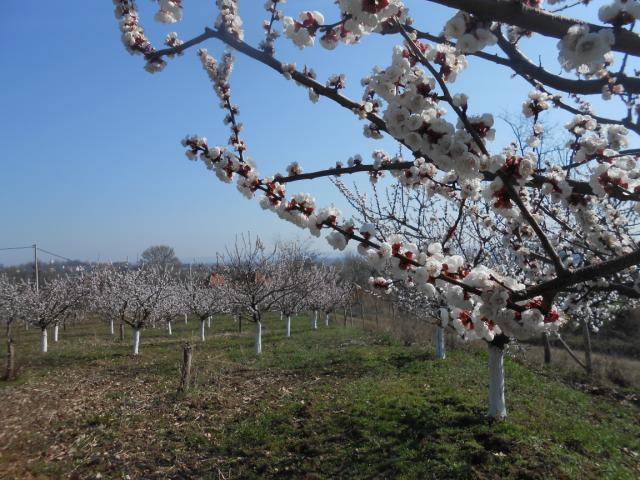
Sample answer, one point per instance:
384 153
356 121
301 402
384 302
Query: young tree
203 297
298 266
255 280
47 304
563 224
135 295
10 311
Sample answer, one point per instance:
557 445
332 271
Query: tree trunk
122 332
344 312
136 341
258 338
185 371
186 318
362 312
169 327
281 315
239 323
351 314
547 348
497 407
64 325
111 327
326 320
209 321
315 319
587 347
44 341
288 326
440 350
202 338
56 329
10 369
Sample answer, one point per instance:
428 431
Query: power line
55 254
16 248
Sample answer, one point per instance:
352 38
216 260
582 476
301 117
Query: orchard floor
333 403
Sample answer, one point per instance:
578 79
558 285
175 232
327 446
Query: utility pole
35 257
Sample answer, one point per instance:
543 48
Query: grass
339 402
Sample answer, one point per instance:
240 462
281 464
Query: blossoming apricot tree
563 226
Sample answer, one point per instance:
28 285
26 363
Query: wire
55 254
16 248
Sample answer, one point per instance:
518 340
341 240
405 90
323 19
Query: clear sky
90 157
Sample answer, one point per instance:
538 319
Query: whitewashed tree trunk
315 319
45 343
440 351
169 327
111 328
258 338
497 406
326 320
288 325
281 315
185 318
136 341
209 321
202 337
56 331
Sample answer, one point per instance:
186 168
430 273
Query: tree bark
587 347
326 320
186 319
56 329
258 337
344 311
185 371
497 406
136 341
169 327
122 332
111 329
440 350
10 369
239 323
209 321
202 337
547 348
288 326
44 341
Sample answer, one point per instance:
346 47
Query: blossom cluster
585 51
133 36
472 34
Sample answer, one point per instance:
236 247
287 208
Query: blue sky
90 157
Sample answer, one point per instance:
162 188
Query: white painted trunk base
440 351
169 328
281 315
326 320
45 342
288 326
111 327
136 341
497 406
185 318
56 330
209 321
258 338
315 319
202 337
